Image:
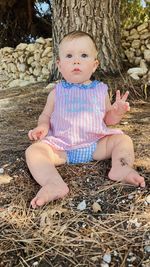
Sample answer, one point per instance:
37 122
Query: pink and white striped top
77 119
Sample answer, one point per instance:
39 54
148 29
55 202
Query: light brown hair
77 34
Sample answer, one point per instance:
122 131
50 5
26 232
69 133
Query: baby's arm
44 119
115 112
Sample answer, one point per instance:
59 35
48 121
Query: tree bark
99 18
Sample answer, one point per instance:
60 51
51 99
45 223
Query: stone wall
31 63
27 63
136 46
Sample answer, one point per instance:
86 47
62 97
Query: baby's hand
120 105
38 133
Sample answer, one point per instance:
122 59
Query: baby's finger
40 135
43 134
34 135
117 95
114 106
127 106
125 96
30 135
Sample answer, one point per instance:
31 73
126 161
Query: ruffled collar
68 85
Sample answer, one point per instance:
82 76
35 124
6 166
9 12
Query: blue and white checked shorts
81 155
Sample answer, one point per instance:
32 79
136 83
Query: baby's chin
78 81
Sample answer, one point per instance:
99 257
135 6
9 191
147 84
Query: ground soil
59 234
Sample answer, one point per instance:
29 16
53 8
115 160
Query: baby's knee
28 152
118 140
126 138
31 150
122 138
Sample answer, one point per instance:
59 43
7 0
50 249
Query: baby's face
77 59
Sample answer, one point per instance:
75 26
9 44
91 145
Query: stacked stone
31 63
136 46
27 63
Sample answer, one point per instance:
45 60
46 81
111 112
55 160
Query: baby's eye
84 55
69 56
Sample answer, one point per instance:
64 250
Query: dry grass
64 234
59 235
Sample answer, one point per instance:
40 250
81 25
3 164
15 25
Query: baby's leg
41 160
120 149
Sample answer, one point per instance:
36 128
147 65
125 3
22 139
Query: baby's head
77 57
78 35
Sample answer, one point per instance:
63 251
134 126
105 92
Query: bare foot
48 193
127 175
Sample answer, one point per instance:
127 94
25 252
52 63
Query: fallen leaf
5 179
96 207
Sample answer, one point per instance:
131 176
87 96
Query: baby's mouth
76 70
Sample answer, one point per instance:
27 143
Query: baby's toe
139 181
40 202
142 183
33 202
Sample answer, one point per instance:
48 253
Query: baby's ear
96 65
97 62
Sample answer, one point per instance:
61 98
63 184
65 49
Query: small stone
142 26
147 55
21 46
81 205
1 170
40 40
132 259
124 123
148 199
139 190
46 51
104 264
145 120
147 249
130 254
138 224
130 196
21 67
35 264
107 257
115 253
98 200
95 258
134 76
135 222
84 225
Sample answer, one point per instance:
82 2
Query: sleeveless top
77 119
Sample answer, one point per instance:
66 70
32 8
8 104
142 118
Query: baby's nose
76 60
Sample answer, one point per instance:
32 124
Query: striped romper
77 120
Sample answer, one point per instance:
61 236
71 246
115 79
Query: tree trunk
98 18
